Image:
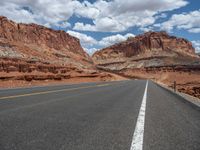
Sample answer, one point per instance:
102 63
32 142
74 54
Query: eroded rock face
148 44
31 41
32 52
18 69
156 56
151 49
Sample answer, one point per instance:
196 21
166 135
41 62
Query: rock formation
33 52
149 49
38 43
30 53
150 43
156 56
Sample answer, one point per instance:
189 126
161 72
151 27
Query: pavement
121 115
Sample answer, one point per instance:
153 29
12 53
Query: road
123 115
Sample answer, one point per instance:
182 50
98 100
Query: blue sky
100 23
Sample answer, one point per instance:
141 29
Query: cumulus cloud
110 40
89 43
188 21
87 10
194 30
147 29
84 27
109 16
196 44
84 39
90 51
45 12
117 15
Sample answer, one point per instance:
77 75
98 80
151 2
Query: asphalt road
97 116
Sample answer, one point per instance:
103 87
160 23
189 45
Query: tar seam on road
137 141
52 91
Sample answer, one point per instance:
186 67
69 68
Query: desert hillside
148 50
157 56
30 52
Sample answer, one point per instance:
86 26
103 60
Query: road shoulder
186 97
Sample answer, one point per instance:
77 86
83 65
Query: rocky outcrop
156 56
35 42
149 49
148 44
22 70
33 52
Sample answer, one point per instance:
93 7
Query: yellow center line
53 91
102 85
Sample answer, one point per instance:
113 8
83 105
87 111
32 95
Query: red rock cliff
150 43
31 41
33 52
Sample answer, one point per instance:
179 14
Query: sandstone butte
156 56
30 52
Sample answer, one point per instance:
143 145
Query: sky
101 23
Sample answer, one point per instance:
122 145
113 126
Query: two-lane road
97 116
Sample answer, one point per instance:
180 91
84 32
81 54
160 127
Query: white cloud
188 21
90 51
163 15
85 40
117 15
63 24
194 30
110 40
89 43
109 16
45 12
87 10
196 44
84 27
146 29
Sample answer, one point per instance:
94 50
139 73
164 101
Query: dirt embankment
187 77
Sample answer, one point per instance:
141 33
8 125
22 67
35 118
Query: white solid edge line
137 141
